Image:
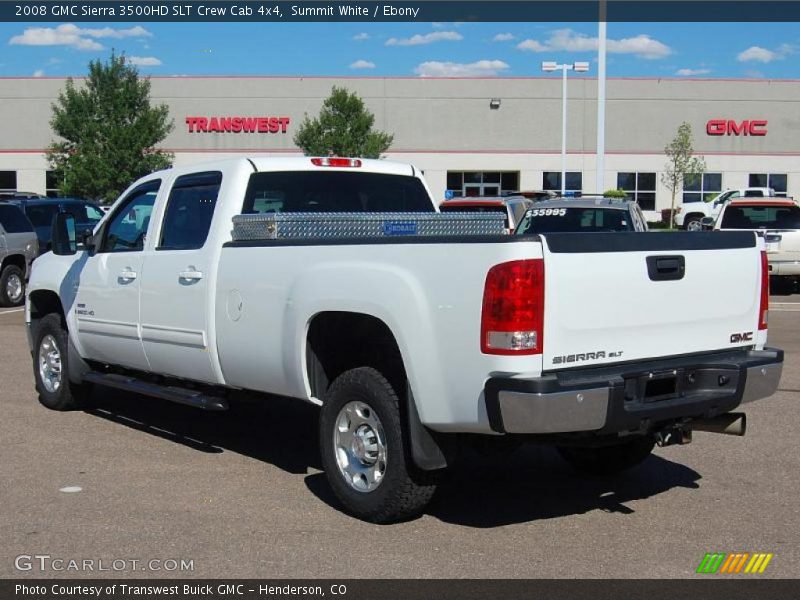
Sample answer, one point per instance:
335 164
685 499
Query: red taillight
763 309
512 318
332 161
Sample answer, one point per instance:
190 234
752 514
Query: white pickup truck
690 214
417 334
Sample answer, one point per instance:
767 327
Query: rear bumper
635 397
784 267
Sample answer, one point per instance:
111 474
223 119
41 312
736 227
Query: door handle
128 274
666 268
191 274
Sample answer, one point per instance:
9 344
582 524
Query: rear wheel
12 286
51 367
363 450
608 460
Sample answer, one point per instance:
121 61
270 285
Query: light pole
578 67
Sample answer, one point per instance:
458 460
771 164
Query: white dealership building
472 136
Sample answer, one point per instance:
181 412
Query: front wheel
693 224
50 367
363 450
12 286
608 460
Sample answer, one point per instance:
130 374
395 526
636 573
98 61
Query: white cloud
503 37
362 64
692 72
567 40
71 35
443 25
143 61
38 73
481 68
762 55
533 46
360 37
428 38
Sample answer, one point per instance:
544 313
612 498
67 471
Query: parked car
582 215
690 214
18 248
414 342
778 220
41 211
513 207
19 195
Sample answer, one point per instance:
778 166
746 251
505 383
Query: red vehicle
513 207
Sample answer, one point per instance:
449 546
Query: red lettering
274 125
731 127
758 128
250 124
735 128
716 127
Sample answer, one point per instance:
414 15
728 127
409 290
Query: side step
171 393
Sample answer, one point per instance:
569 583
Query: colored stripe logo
734 563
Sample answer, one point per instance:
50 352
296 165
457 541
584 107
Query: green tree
108 131
343 128
620 194
681 164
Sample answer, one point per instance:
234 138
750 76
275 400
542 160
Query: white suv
691 213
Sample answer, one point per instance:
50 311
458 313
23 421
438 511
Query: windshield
761 217
574 219
84 213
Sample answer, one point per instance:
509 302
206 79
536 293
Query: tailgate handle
666 268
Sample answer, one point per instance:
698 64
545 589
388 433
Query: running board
171 393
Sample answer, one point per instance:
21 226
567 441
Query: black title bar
420 11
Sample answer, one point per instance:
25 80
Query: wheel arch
338 341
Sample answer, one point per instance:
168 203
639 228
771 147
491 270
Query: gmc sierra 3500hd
335 281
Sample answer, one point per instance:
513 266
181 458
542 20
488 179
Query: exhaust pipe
734 423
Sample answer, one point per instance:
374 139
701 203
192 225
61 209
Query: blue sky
768 50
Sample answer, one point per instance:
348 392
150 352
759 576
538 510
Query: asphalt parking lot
241 494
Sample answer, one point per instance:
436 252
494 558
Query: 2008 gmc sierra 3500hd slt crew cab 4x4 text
335 281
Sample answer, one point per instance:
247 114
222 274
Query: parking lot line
13 310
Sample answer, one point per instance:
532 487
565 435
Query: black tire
692 223
781 285
67 395
608 460
402 493
11 272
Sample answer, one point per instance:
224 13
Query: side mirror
65 240
86 239
707 223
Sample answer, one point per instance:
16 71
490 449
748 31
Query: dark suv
41 211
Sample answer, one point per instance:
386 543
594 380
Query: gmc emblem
738 338
730 127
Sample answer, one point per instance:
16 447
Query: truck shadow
530 484
255 429
535 484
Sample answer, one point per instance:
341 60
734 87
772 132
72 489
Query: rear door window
190 209
41 215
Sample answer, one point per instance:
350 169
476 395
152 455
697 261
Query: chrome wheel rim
14 288
694 226
359 445
50 364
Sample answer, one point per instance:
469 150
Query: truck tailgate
621 297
